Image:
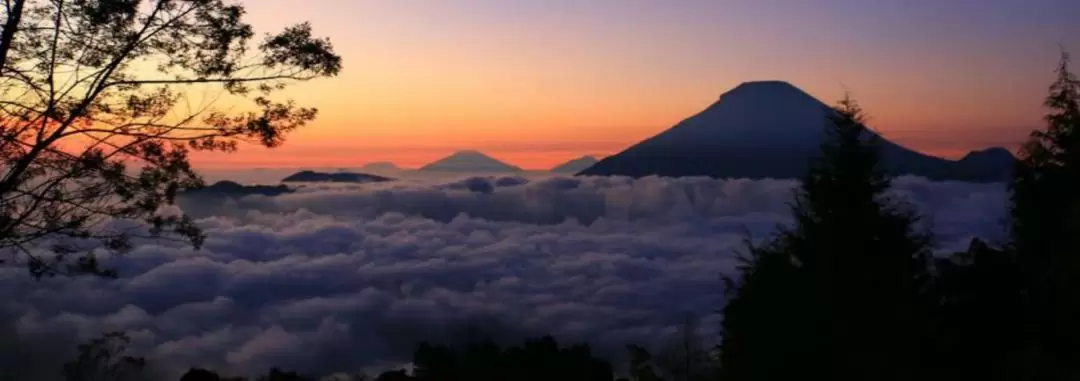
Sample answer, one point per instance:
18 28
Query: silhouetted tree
102 100
434 362
843 292
104 359
280 375
539 359
275 374
979 317
641 367
1045 231
199 374
764 324
360 376
394 375
685 357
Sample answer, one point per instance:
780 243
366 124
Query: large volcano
771 129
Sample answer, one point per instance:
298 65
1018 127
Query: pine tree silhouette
842 294
1045 208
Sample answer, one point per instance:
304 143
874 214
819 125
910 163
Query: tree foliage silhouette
641 367
685 357
978 327
842 293
199 374
762 326
538 359
1045 232
104 359
101 102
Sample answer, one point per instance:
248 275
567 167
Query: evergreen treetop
841 292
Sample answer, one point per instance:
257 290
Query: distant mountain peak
989 152
380 166
386 164
576 165
471 153
770 83
769 88
469 160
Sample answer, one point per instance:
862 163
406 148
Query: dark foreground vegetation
537 360
850 291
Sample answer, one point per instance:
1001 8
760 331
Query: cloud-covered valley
338 278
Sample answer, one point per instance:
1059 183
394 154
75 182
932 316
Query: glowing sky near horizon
538 82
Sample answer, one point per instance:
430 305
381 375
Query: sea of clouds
343 278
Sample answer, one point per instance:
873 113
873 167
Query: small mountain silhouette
380 166
469 161
987 163
772 129
339 177
576 165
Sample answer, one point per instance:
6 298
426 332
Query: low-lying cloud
338 278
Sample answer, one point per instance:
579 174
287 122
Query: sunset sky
538 82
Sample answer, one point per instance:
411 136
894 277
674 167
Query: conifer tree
841 293
1045 232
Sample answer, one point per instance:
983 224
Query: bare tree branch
97 120
11 25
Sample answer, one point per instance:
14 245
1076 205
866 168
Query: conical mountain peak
775 114
469 161
773 86
761 129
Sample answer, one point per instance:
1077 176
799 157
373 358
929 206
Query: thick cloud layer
338 278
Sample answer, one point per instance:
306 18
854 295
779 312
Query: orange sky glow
536 85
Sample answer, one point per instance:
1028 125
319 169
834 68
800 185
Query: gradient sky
537 82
